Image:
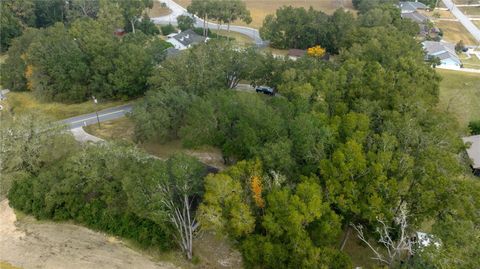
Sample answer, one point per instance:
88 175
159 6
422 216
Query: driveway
178 10
472 28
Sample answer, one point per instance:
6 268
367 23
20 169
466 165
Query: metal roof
474 150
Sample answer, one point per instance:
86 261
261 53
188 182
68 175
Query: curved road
178 10
472 28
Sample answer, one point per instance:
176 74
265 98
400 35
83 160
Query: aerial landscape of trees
347 146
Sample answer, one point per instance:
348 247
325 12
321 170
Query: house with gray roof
186 39
415 16
409 7
443 51
473 152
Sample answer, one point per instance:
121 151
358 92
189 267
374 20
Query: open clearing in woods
259 9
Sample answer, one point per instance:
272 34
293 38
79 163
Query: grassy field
157 10
453 31
477 23
460 95
475 11
241 40
444 14
472 62
21 102
123 129
259 9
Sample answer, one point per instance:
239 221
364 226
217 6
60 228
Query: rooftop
415 16
441 50
411 6
473 151
189 37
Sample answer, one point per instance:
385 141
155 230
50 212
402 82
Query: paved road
103 115
472 28
178 10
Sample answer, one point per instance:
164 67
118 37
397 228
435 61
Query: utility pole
95 101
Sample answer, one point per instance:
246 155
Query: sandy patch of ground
33 244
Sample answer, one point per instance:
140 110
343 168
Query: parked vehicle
265 90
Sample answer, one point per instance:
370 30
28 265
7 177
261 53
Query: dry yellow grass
6 265
157 10
22 102
453 31
477 23
471 11
444 14
259 9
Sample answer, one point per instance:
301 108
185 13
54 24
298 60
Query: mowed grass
444 14
474 11
123 129
472 62
476 22
240 39
157 10
460 95
259 9
23 102
453 31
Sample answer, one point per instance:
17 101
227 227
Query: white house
185 39
444 51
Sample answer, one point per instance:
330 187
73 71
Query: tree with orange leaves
256 187
316 51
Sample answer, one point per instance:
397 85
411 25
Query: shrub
167 29
474 127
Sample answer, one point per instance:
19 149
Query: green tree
49 12
15 65
132 11
57 68
185 22
202 9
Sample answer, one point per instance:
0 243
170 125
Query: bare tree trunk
346 234
133 26
205 25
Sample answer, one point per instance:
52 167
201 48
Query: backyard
460 95
259 9
453 31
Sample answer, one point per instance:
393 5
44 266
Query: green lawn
460 95
240 39
21 102
472 62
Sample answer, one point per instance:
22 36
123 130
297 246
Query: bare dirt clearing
44 244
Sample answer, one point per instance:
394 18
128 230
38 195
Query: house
294 54
409 7
473 152
186 39
443 51
415 16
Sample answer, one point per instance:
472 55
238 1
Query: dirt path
33 244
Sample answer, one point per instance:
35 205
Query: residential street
103 115
472 28
178 10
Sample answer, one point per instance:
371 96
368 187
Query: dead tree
395 248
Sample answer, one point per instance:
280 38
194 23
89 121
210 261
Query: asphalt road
103 115
178 10
464 20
